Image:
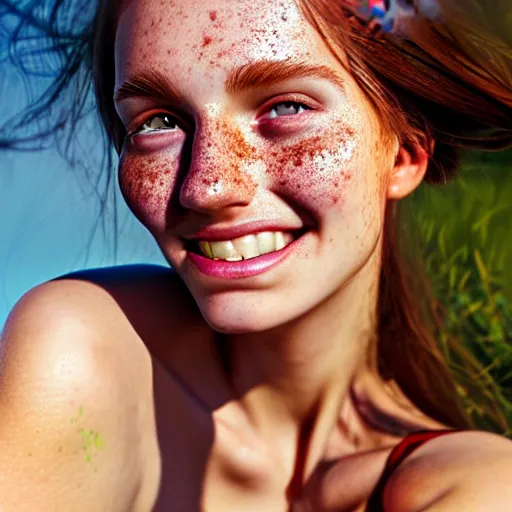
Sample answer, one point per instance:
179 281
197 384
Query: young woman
264 144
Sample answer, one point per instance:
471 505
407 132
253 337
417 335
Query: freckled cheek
318 173
315 187
147 184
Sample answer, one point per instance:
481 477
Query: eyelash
172 120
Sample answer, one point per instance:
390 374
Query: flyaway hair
49 44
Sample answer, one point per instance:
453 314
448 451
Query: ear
409 170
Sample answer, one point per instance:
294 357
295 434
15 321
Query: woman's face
245 133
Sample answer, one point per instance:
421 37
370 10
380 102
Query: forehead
188 37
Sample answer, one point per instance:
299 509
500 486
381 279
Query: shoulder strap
399 453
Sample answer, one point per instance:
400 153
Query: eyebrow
155 84
266 73
147 84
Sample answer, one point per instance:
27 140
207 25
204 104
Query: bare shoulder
71 415
71 318
460 471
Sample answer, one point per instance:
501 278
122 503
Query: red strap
400 452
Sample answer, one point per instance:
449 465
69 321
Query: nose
219 174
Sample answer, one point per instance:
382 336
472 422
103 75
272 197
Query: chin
233 315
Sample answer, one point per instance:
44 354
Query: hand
465 471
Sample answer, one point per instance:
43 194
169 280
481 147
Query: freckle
207 40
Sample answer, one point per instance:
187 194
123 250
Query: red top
401 451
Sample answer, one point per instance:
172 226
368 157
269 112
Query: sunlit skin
298 333
233 386
235 172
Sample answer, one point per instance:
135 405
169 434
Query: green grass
464 230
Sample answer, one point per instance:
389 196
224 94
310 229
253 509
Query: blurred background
463 233
54 219
51 221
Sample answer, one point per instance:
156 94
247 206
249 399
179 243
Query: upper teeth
246 247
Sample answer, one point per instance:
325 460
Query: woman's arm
67 404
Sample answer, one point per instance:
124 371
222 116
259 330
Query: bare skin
114 384
325 170
167 417
168 432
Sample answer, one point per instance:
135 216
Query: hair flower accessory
388 15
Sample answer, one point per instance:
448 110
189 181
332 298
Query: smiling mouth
245 247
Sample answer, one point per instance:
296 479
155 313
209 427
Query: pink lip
244 268
229 233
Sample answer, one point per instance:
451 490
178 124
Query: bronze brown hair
447 85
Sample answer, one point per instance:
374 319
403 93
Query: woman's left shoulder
464 470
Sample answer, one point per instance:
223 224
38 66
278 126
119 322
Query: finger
344 484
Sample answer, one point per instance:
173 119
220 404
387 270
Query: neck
293 380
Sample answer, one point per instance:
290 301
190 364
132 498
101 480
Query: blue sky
48 211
